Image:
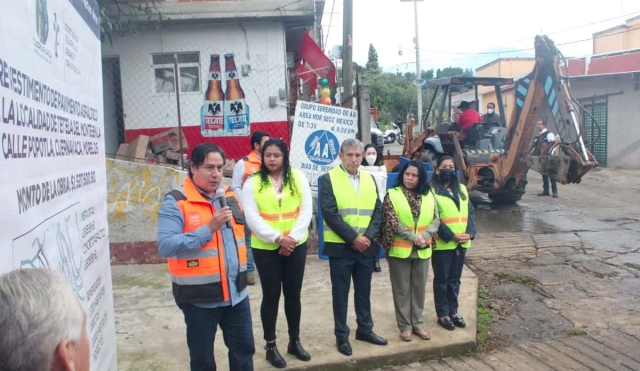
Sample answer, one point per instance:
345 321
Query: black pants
447 271
545 185
237 331
280 273
342 270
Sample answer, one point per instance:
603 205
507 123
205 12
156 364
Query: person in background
352 215
457 229
400 124
248 165
467 118
204 243
373 164
491 118
278 208
42 324
542 145
410 221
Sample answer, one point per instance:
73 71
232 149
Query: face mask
489 111
447 175
371 159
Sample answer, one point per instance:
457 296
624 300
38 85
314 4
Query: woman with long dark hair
457 229
409 225
277 206
372 163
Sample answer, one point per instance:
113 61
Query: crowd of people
214 235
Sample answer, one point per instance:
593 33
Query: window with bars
164 74
596 134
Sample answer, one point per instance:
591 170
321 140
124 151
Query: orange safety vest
251 165
200 276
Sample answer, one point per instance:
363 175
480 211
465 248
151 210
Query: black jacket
334 220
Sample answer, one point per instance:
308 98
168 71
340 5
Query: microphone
220 193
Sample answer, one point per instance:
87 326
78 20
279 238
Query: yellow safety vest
402 248
281 216
454 219
355 209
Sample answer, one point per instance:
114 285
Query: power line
527 39
512 50
329 27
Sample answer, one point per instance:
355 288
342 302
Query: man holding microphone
201 233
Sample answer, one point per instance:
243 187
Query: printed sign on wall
52 168
318 131
224 113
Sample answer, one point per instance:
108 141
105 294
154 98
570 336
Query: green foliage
121 17
485 319
453 72
372 61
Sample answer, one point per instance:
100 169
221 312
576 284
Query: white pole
418 70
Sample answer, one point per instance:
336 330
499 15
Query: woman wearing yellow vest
409 224
277 206
457 229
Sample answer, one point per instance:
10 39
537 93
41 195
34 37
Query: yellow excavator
495 159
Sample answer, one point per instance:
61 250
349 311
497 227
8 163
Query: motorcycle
393 134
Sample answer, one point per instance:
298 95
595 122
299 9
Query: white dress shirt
261 228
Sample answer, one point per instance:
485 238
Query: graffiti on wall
137 189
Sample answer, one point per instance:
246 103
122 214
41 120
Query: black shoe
555 195
458 321
376 264
543 194
274 357
447 323
371 338
297 350
344 347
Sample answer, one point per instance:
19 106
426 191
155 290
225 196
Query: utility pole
347 54
418 70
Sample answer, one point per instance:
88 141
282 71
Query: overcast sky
449 29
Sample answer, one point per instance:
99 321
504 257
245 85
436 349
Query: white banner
52 167
318 131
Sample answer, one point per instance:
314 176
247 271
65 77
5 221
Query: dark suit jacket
330 214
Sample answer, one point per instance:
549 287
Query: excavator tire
509 198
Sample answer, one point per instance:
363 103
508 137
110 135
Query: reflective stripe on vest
251 165
402 248
455 219
280 216
202 272
355 209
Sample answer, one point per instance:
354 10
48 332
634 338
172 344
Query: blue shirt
172 240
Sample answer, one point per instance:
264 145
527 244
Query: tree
453 72
120 17
372 61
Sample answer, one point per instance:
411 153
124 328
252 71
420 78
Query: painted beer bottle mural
236 110
212 110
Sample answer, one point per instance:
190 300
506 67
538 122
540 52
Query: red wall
235 147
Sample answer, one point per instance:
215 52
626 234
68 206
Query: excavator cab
483 140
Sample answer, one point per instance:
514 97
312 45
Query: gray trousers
409 285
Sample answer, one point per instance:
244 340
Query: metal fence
165 92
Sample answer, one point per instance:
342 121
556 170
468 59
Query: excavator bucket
555 167
565 169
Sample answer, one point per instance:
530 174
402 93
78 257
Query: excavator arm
545 93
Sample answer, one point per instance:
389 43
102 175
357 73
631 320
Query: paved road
561 267
615 351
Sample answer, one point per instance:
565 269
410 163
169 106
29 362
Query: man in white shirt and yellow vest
352 214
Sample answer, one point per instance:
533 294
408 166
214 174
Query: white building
264 37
